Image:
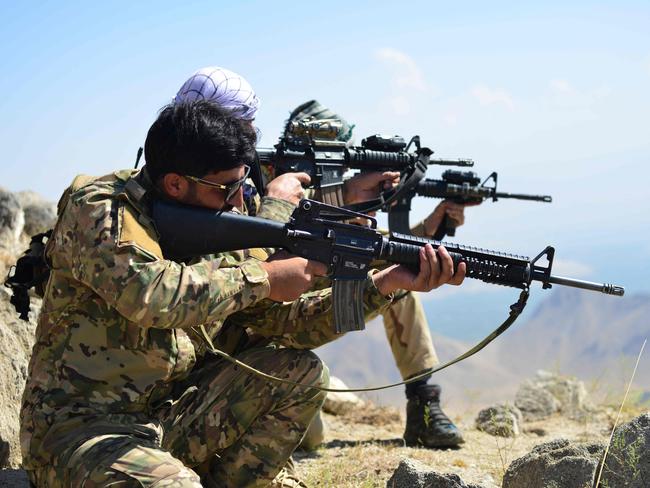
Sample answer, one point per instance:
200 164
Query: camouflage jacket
115 328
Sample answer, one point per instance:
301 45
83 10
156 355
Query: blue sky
553 96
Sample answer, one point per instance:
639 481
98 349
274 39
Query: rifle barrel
606 288
522 196
452 162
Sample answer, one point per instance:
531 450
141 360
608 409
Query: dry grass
364 448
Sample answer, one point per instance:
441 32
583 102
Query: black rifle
317 231
458 186
310 146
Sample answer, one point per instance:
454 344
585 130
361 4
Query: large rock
315 434
12 221
569 391
341 403
40 214
555 464
413 474
534 402
628 460
502 420
16 340
21 214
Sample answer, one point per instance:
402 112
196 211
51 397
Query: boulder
549 393
315 434
413 474
341 403
16 340
501 420
12 221
569 391
555 464
535 402
40 214
628 459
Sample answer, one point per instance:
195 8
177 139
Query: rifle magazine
348 305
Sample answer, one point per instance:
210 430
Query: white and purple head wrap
223 87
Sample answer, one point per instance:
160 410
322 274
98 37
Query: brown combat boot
426 423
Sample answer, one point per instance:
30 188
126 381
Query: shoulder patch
133 233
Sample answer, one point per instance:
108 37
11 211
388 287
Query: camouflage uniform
115 393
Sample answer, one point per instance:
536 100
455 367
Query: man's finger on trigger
390 175
303 177
318 268
390 179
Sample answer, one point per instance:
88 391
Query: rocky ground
364 447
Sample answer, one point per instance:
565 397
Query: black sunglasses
231 189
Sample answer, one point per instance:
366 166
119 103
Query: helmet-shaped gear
312 110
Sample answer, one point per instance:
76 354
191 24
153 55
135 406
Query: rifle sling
515 311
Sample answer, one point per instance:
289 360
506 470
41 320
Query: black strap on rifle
387 197
30 271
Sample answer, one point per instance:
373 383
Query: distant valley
572 332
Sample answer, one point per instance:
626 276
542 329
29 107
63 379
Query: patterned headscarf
224 87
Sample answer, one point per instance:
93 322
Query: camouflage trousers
221 427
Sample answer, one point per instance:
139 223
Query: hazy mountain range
594 337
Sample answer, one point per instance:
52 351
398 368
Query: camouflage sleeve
305 323
121 261
275 209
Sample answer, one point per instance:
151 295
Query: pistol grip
449 225
447 228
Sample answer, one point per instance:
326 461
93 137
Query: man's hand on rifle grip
455 211
290 276
289 187
368 185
